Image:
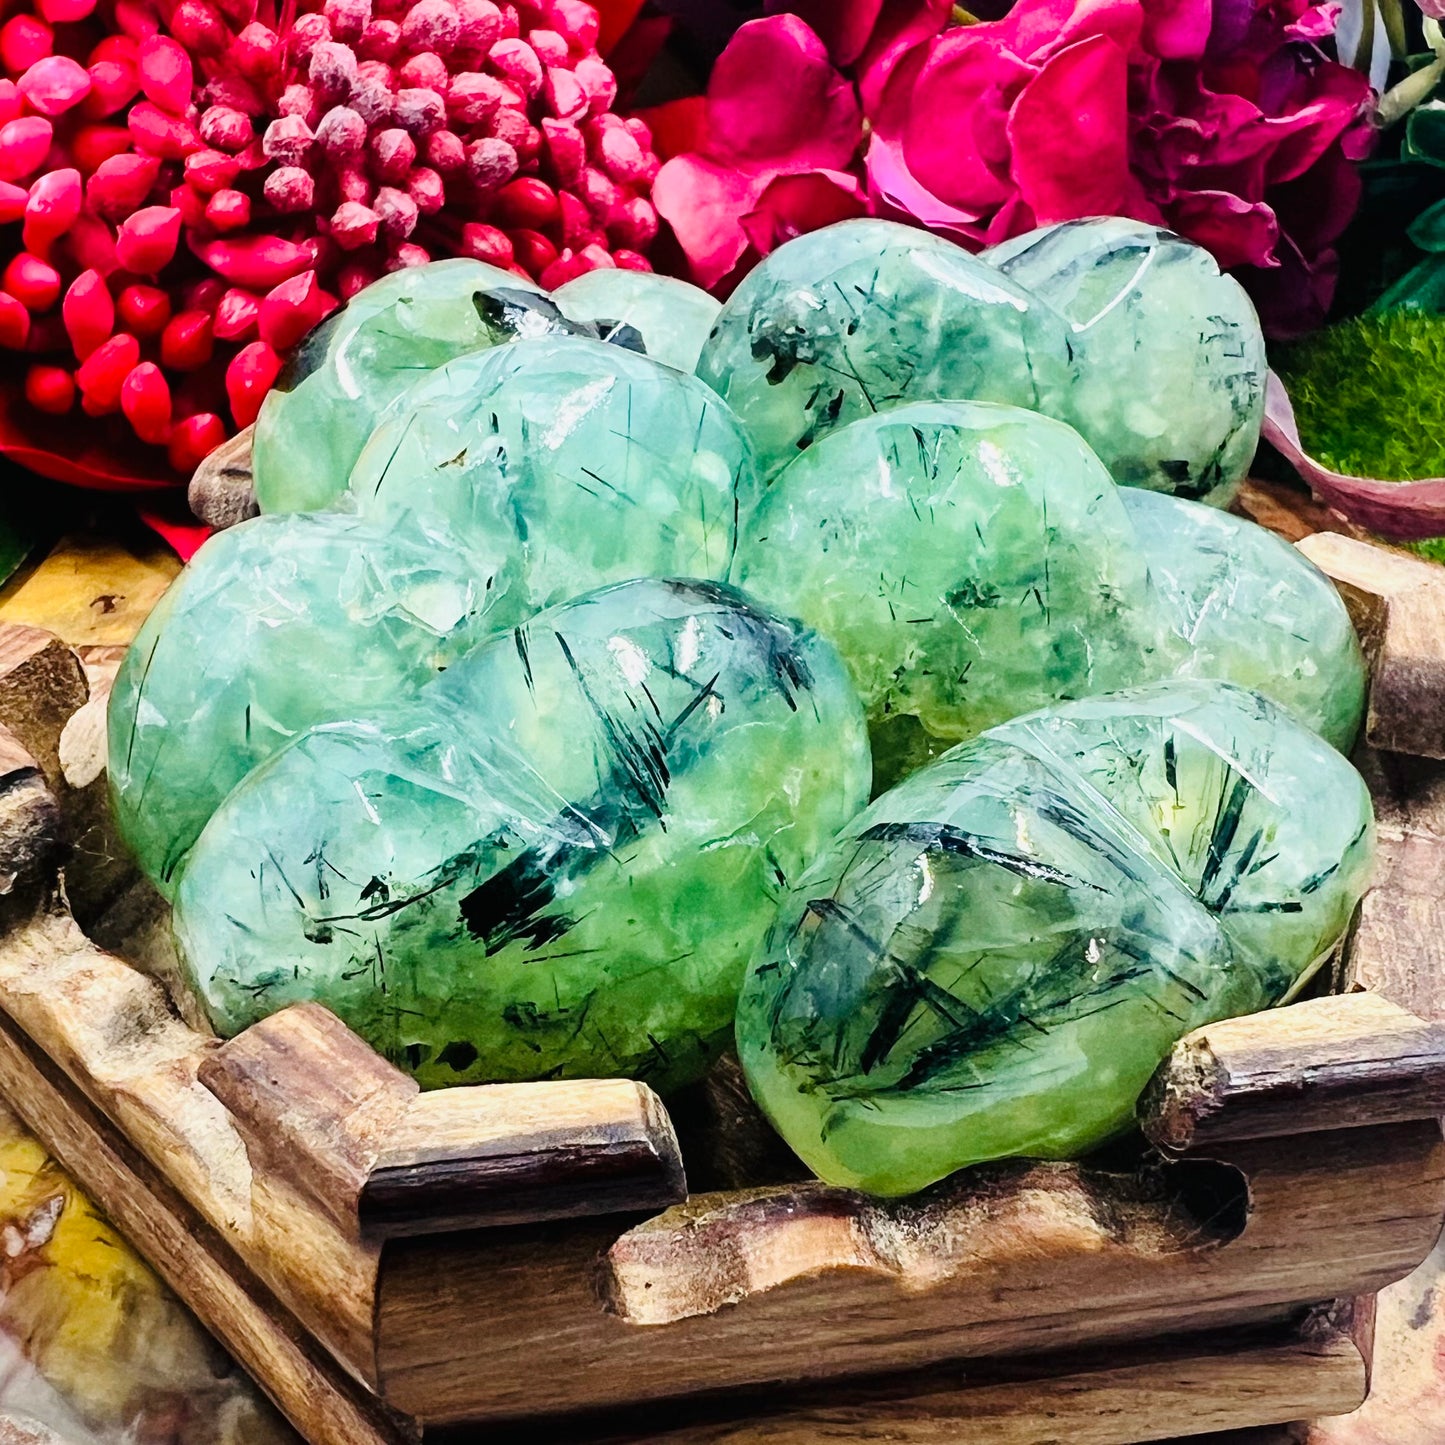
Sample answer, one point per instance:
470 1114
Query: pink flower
1223 122
1219 118
781 129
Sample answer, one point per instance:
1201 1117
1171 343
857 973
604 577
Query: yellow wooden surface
91 591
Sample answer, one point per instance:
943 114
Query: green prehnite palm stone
338 381
672 318
555 861
1250 609
1170 363
583 462
969 561
868 315
993 958
276 624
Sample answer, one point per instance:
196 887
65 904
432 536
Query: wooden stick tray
391 1264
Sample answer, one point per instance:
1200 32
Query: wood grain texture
1016 1258
1398 605
1216 1382
92 591
1330 1063
221 491
42 685
313 1102
324 1404
30 820
320 1108
1398 944
520 1153
112 1031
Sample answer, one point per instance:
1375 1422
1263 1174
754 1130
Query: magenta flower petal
704 202
775 99
903 27
1238 232
1039 29
844 26
793 205
965 163
1178 29
1069 129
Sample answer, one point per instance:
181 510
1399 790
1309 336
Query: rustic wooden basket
390 1264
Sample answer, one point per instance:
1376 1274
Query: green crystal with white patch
335 384
1249 608
586 462
992 959
274 625
1170 362
555 861
671 317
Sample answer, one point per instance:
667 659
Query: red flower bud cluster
191 188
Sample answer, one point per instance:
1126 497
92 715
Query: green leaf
1420 289
1425 134
1427 230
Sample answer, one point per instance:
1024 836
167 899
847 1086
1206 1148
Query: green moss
1369 396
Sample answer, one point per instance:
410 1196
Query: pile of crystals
497 734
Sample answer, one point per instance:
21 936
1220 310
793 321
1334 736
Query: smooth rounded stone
336 383
277 623
867 315
969 561
672 317
992 960
556 861
1252 610
597 465
1169 384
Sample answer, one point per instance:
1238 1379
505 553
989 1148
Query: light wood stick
1328 1063
1398 606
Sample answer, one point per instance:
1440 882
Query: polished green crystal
555 861
867 315
993 958
1170 364
969 561
1127 332
1249 608
582 462
341 377
275 624
672 318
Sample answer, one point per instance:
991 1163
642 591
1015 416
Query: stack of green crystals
496 732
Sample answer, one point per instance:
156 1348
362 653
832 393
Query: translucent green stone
556 861
338 381
1169 385
969 561
993 958
868 315
672 318
583 462
275 624
1249 608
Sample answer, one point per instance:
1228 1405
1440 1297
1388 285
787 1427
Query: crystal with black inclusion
994 957
555 861
313 423
1169 386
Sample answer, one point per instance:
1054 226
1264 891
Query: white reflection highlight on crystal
632 661
689 645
